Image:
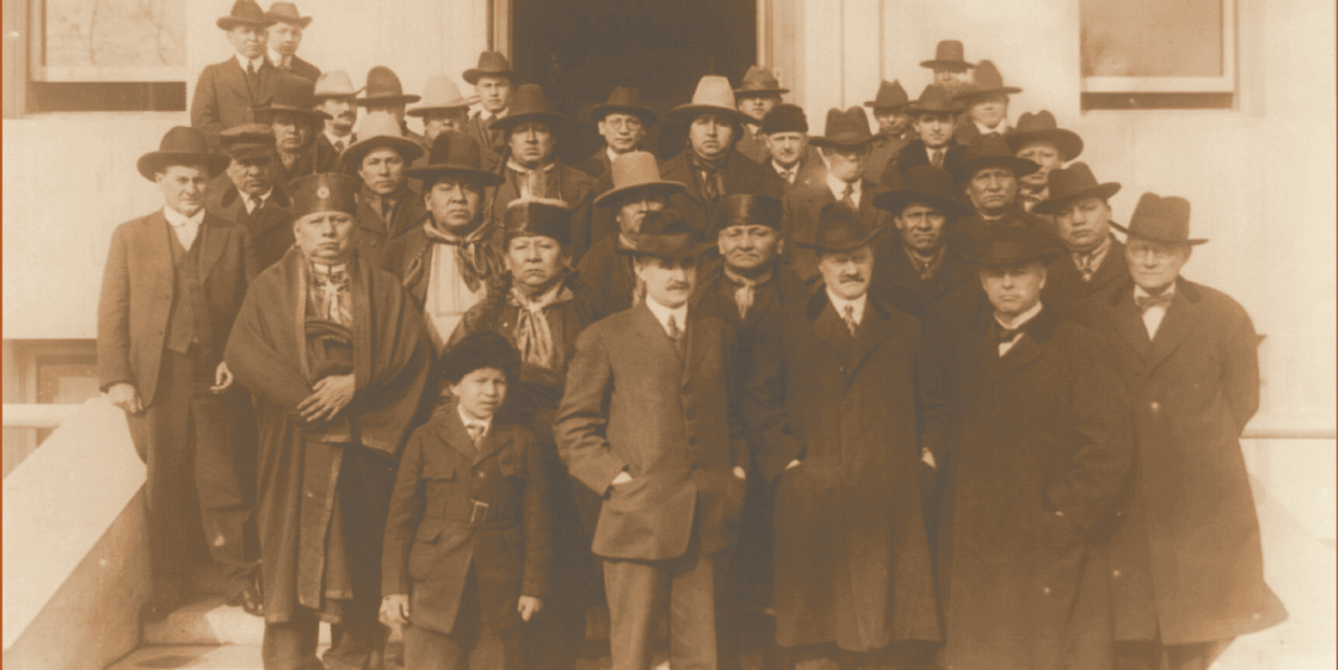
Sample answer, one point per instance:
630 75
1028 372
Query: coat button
1155 406
1114 573
842 369
1046 590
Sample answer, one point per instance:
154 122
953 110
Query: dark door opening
579 50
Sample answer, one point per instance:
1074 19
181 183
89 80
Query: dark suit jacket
223 98
598 166
604 280
740 177
270 226
800 221
374 233
576 188
482 131
1067 294
914 153
302 69
883 166
138 287
632 404
753 145
319 156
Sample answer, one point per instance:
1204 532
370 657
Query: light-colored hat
333 84
713 96
380 129
635 171
441 93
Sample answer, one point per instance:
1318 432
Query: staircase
204 635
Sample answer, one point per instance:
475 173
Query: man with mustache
296 123
285 36
986 102
844 400
227 92
759 93
334 95
388 206
785 130
1094 259
622 120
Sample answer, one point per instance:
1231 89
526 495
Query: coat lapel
1113 267
873 329
697 345
212 238
828 326
159 258
452 431
1023 353
1127 321
235 77
1181 318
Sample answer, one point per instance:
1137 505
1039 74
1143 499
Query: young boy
467 547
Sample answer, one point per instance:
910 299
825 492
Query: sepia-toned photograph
670 335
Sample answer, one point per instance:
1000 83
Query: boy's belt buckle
479 514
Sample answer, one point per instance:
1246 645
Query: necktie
339 146
475 433
251 77
1085 266
387 207
675 335
848 198
1008 334
936 158
1146 302
252 204
849 318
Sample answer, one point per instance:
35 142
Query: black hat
182 146
1013 243
455 154
948 53
245 13
1041 127
890 96
748 210
922 183
665 234
492 64
839 229
985 81
934 99
249 141
484 349
992 151
530 105
1160 220
323 192
293 94
785 118
535 216
847 129
1074 183
625 101
384 88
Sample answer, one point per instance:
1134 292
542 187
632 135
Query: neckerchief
477 259
533 182
747 291
533 337
708 174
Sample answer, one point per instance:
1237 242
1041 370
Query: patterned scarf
477 259
708 174
533 182
533 336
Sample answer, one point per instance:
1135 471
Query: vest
188 322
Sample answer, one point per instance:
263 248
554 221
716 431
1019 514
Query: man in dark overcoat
1186 565
246 196
895 131
173 283
1093 261
227 92
388 205
332 351
622 121
285 36
649 421
1039 445
843 397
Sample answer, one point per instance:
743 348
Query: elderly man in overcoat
1186 563
332 351
1093 261
844 398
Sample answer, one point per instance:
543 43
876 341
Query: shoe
251 599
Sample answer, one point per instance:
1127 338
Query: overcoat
375 233
633 404
270 226
1068 295
302 69
137 288
740 174
783 290
852 559
598 166
319 156
573 187
605 281
799 222
1186 560
430 543
882 166
482 131
1040 431
224 99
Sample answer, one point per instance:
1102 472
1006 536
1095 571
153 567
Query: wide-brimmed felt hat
249 141
293 94
713 96
926 184
384 88
1073 183
839 229
948 53
748 210
333 84
985 81
530 105
182 145
286 12
847 129
534 216
377 130
1041 127
324 192
785 118
890 96
441 93
667 235
455 154
1160 219
934 99
245 13
491 63
625 101
1013 243
636 171
992 151
759 81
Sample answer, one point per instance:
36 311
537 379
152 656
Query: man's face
183 187
439 121
494 93
757 106
292 133
786 147
285 38
921 227
1014 289
668 281
846 163
531 144
891 121
394 109
249 176
325 237
847 273
622 132
454 203
1083 224
992 190
951 77
632 210
935 128
343 109
1154 265
535 261
990 111
249 41
382 170
481 392
1045 155
711 135
749 247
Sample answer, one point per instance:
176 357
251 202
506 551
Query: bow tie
1146 302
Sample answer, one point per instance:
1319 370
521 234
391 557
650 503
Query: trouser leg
430 650
292 645
635 592
225 511
365 482
694 582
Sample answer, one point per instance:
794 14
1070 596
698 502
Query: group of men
904 392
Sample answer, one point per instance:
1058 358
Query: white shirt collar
786 173
335 139
257 62
839 304
177 219
263 198
1139 291
663 313
468 419
1020 319
838 188
1001 128
278 59
613 155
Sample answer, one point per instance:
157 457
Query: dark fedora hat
890 96
1160 220
1041 127
455 154
948 53
530 105
845 129
491 64
182 145
384 88
712 96
292 94
1072 183
379 130
785 118
934 99
245 13
286 12
633 172
926 184
1013 243
483 349
535 216
749 210
986 80
625 101
992 151
249 141
759 81
667 235
324 192
839 229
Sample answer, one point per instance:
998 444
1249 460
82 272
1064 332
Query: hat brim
1045 255
472 75
264 112
388 100
973 93
607 198
1052 205
646 114
1069 144
844 143
408 148
652 245
301 21
874 104
553 120
150 163
462 103
686 113
945 63
912 109
252 152
1020 166
230 22
435 172
896 202
849 246
754 92
1193 242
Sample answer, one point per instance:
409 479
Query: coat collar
451 430
901 272
1184 314
648 328
987 368
874 328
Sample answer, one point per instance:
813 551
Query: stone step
195 657
210 622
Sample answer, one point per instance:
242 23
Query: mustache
678 286
846 279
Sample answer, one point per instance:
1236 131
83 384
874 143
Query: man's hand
529 606
622 478
331 395
222 378
395 609
792 464
928 457
740 472
126 396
